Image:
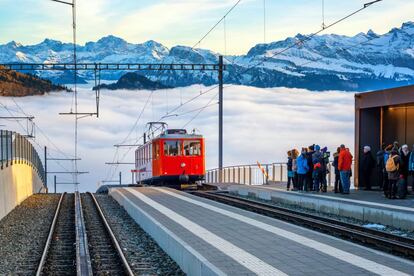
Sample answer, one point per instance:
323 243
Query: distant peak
14 44
111 39
409 24
50 41
152 43
371 33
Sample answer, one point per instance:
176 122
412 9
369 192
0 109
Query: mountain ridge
365 61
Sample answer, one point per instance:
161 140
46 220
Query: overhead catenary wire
40 147
306 38
366 5
216 24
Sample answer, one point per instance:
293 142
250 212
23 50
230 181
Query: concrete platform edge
364 212
189 260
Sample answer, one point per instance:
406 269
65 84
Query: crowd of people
307 170
395 164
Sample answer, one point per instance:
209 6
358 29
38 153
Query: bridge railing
17 149
253 175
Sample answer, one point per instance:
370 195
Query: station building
383 116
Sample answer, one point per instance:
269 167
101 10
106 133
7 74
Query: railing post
45 172
250 175
281 173
330 174
274 172
11 148
54 179
267 174
7 148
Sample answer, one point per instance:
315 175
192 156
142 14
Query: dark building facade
383 116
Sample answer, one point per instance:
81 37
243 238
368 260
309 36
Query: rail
49 237
383 241
127 268
253 175
17 149
83 260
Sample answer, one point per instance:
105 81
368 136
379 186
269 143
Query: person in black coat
309 174
366 167
338 185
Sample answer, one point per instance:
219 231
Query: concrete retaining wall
17 182
395 216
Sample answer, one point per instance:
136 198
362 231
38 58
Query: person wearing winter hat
317 163
405 159
309 175
366 167
393 167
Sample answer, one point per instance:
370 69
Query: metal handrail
17 149
251 174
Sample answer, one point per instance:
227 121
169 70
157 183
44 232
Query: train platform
209 238
367 206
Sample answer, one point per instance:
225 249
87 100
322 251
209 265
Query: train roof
173 134
177 133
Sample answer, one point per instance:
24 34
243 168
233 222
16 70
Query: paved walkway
231 241
375 196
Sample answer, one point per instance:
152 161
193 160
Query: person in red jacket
344 166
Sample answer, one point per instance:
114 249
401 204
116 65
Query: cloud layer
259 124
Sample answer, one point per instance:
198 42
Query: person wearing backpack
385 185
318 167
393 169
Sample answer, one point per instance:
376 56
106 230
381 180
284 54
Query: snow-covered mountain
365 61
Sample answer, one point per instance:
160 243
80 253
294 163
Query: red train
173 158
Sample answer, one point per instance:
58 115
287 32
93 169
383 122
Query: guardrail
17 149
253 175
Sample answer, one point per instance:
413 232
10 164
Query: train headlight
182 165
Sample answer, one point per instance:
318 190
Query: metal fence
253 175
16 149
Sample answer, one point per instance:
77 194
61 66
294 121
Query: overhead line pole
220 79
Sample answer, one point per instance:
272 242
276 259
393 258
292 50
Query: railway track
59 254
105 253
80 241
383 241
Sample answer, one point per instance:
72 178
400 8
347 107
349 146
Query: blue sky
183 22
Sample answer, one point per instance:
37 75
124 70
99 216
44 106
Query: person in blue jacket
411 168
302 169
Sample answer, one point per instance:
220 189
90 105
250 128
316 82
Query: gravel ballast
136 244
23 234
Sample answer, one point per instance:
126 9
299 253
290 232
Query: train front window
192 148
172 148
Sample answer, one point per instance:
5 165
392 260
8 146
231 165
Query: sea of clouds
259 124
